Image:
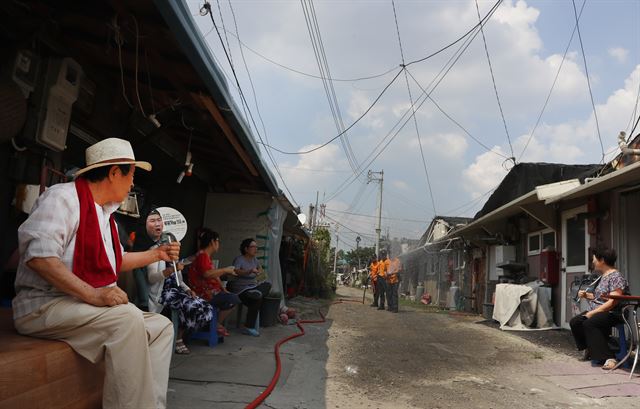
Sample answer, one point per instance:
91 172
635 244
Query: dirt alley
416 359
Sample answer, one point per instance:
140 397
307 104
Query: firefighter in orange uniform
393 282
381 285
373 275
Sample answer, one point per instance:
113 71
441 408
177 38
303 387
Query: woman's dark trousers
594 332
252 298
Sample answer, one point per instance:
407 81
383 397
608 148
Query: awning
531 203
512 208
619 178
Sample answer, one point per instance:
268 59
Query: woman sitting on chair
591 329
246 285
193 312
206 280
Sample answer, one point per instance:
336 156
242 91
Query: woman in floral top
591 329
205 280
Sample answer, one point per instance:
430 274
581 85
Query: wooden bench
37 373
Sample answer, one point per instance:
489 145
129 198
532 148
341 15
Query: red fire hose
276 376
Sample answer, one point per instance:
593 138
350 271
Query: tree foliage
365 254
322 238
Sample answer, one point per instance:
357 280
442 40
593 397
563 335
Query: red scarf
90 261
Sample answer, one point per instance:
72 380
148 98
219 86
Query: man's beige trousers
136 347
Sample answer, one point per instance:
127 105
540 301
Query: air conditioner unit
504 254
499 255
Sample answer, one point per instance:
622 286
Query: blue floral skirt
193 312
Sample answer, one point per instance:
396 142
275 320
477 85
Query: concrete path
234 373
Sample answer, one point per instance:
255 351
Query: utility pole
335 254
315 211
358 250
377 177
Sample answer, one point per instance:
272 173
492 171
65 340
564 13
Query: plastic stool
622 341
211 336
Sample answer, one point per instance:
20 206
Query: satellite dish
302 218
174 222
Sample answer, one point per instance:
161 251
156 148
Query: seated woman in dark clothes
248 269
591 329
205 280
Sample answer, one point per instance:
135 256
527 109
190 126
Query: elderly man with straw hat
66 289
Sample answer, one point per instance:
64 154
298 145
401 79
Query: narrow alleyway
365 358
429 360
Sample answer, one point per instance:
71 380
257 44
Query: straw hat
111 151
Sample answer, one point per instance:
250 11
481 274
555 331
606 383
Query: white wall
235 218
239 216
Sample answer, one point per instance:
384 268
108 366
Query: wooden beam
226 130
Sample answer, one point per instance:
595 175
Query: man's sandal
181 348
610 364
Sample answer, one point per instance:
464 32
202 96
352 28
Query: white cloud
573 141
619 54
484 174
400 184
315 171
358 105
447 145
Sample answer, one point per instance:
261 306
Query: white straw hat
111 151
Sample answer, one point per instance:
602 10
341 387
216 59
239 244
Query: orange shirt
394 268
373 270
383 267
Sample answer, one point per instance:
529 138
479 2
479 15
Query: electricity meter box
52 103
549 267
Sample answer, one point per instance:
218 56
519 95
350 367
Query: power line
204 10
495 88
224 29
306 74
634 127
246 67
253 91
346 129
586 71
348 228
544 106
482 21
375 217
472 202
447 115
442 74
300 168
415 120
323 67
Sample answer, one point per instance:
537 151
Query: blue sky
526 41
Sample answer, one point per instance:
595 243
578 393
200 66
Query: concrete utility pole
377 177
358 250
335 254
315 211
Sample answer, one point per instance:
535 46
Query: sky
458 129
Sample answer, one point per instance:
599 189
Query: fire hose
276 376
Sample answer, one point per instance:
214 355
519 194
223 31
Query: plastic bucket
269 311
